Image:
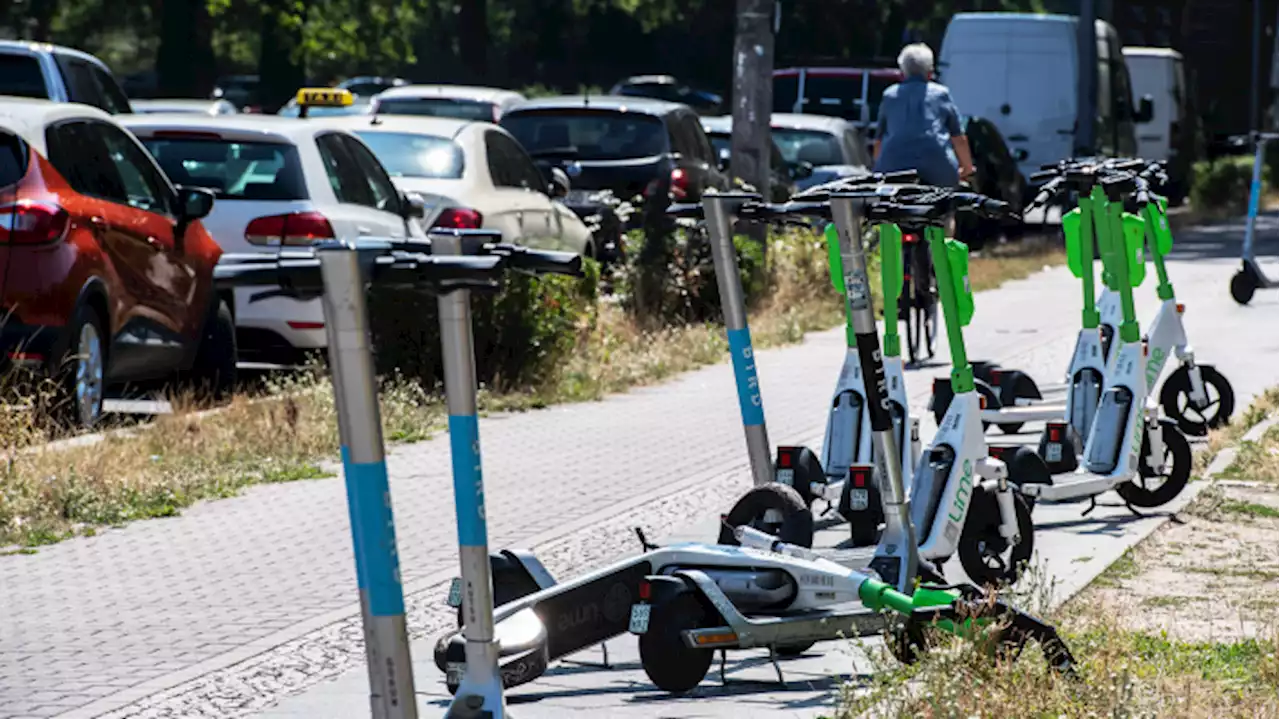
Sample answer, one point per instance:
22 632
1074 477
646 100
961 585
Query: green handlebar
891 276
1159 242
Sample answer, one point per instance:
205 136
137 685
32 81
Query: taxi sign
324 97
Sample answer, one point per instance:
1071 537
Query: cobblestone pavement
97 625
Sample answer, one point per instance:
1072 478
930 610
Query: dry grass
1263 406
46 496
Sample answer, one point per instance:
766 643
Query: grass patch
156 471
1170 601
1251 509
1126 567
1257 461
1262 406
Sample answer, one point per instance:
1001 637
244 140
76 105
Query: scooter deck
1030 413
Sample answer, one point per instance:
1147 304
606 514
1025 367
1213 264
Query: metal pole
719 210
1087 79
895 558
1255 73
480 691
391 691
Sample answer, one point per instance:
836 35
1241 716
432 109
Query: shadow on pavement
1223 240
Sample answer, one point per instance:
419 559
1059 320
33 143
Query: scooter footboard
545 626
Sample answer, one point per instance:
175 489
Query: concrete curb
1227 456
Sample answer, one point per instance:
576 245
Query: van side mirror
1145 110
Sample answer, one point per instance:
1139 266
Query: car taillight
459 218
679 184
295 228
28 222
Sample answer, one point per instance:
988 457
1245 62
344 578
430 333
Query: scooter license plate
639 619
454 672
455 592
787 477
1053 453
858 499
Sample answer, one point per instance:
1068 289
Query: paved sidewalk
96 624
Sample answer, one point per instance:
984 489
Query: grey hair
916 60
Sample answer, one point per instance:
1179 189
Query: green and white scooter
847 444
1127 447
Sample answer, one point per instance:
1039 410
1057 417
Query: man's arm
958 139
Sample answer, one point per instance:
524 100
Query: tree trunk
752 97
473 38
184 60
280 75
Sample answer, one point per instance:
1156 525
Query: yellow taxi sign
324 97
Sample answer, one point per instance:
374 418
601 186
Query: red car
106 272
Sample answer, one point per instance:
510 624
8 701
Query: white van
1170 135
1019 71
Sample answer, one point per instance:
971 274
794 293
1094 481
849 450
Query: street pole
346 318
752 97
1087 83
1255 74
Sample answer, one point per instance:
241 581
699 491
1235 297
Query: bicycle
919 306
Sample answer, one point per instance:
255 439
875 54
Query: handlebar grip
1043 175
899 177
685 209
445 268
1128 165
1051 166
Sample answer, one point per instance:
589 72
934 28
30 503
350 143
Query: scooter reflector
1071 232
834 264
958 259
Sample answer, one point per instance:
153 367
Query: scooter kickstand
773 657
1093 504
723 680
1133 511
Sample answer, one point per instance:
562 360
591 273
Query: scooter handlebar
764 212
541 262
692 210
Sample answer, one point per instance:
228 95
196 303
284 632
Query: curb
1227 456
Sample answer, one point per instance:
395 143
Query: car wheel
81 373
213 374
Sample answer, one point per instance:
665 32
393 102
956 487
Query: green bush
1222 185
522 332
669 279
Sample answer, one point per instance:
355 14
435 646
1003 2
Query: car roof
617 103
415 124
650 80
717 123
175 102
29 117
34 48
800 121
289 129
462 92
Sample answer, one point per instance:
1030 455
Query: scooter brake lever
644 542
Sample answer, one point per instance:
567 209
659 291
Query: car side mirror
559 186
802 170
1145 110
412 206
194 203
722 160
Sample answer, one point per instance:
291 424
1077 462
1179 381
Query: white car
194 107
472 175
278 182
458 101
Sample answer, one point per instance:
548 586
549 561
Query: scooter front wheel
1175 399
792 522
1243 284
1143 490
987 557
669 664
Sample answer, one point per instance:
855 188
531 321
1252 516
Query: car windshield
588 134
411 155
812 146
20 75
438 107
233 170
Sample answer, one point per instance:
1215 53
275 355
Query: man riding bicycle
918 128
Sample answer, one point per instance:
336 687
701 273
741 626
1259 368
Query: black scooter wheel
990 398
983 551
510 582
795 527
1142 491
1243 285
669 664
1016 385
1175 399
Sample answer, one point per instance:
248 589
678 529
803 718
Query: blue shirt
916 123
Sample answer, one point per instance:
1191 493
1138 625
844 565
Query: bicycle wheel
907 305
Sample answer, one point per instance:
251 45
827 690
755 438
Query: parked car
368 86
633 147
820 147
666 87
850 93
472 175
464 103
196 107
107 266
358 106
279 182
782 177
243 91
52 72
997 175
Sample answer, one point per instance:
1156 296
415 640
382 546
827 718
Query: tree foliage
555 43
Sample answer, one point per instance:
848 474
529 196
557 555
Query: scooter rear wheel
1175 399
1177 470
796 521
1243 285
669 664
983 551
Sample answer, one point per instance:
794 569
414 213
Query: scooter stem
1090 317
895 558
961 370
891 276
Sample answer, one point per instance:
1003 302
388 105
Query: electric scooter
1126 445
1250 276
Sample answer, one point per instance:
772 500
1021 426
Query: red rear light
784 458
679 184
28 222
859 474
185 135
996 375
296 228
299 325
459 218
908 238
1055 431
646 590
